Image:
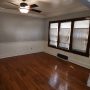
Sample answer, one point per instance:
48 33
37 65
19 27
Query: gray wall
20 34
15 28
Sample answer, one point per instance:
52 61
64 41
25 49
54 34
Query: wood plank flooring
41 71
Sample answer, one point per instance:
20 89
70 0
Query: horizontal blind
53 34
80 35
64 35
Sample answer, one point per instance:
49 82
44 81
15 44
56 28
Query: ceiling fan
25 8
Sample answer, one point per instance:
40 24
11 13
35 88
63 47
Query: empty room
44 44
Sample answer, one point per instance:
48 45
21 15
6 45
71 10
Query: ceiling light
24 9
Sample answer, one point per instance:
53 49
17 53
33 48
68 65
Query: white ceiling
50 7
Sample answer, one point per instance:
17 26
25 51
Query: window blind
53 34
80 35
64 35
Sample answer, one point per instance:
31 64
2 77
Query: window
80 35
70 35
53 34
64 35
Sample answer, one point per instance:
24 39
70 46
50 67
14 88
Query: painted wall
80 60
20 34
15 28
24 35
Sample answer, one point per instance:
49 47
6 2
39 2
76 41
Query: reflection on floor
41 71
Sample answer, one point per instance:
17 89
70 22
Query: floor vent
62 56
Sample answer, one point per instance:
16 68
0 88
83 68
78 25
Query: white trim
18 13
41 15
65 13
74 58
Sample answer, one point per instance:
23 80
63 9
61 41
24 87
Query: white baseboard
74 58
10 49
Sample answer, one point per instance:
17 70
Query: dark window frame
49 33
71 36
59 35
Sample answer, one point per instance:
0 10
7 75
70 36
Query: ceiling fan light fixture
23 4
24 9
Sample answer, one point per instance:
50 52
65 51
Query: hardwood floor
41 71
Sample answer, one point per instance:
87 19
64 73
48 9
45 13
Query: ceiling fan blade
33 5
38 11
12 3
